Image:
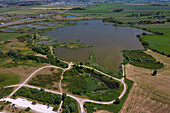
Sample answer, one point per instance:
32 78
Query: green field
9 78
8 36
106 9
32 9
151 26
158 43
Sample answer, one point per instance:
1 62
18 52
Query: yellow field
150 94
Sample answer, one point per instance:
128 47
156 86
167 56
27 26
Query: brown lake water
107 41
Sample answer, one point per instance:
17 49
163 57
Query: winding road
80 101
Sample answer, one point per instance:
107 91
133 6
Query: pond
68 16
107 41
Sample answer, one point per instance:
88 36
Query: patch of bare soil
102 111
150 94
140 100
41 55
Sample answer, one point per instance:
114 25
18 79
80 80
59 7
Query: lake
107 41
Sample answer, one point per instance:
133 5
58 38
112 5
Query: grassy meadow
9 78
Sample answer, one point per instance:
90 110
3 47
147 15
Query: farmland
154 90
106 9
158 43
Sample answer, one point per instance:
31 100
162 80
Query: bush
154 72
55 108
141 59
38 95
27 109
117 101
33 103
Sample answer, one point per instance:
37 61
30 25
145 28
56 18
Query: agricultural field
143 100
106 9
8 36
156 26
158 43
33 9
149 89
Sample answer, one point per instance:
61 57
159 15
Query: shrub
154 72
27 109
33 103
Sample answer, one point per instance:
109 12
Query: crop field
151 26
7 36
157 85
21 10
126 20
106 9
53 7
160 43
32 9
143 101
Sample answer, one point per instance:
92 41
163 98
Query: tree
1 52
33 103
11 53
64 95
154 72
72 107
52 69
57 100
78 40
100 99
55 108
27 109
117 101
81 63
42 89
95 109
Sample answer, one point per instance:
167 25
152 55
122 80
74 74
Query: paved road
81 101
14 22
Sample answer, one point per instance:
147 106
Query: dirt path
51 49
81 101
